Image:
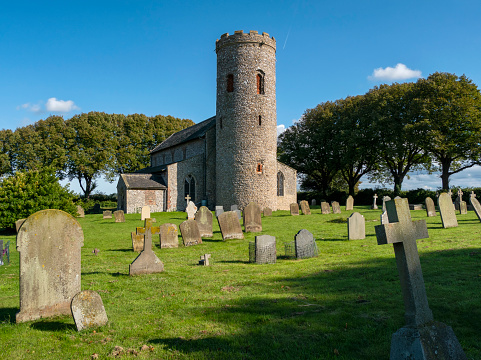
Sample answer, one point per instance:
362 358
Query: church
230 158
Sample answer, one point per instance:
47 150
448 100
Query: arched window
260 82
189 187
280 184
230 83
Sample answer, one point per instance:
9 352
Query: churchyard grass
343 304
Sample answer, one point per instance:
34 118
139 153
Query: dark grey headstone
430 209
252 218
313 202
305 245
325 207
203 217
263 250
384 200
219 210
294 209
305 207
446 209
169 236
230 226
356 227
119 216
96 209
88 310
190 233
336 208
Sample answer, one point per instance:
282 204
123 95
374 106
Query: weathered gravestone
267 211
230 226
169 236
204 260
147 262
219 210
415 207
384 218
475 204
430 209
137 241
235 208
325 208
446 209
263 250
80 211
190 233
19 223
356 227
374 205
252 218
119 216
304 246
96 209
384 200
203 217
336 208
191 210
463 208
88 310
107 214
50 244
145 213
294 209
421 338
349 203
305 207
313 202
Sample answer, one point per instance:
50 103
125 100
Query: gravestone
1 252
421 338
458 200
203 217
325 208
374 205
349 203
294 209
336 208
204 260
267 212
191 210
230 226
189 230
415 207
384 200
145 213
475 204
356 227
446 210
305 207
80 211
137 241
119 216
107 214
313 202
50 244
147 262
463 208
169 236
384 218
235 208
88 310
263 250
305 245
96 209
252 218
19 223
219 210
4 253
430 209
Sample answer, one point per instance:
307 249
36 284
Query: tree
6 152
451 107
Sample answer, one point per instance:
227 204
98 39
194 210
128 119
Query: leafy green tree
6 152
27 192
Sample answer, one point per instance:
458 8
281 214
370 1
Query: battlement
240 36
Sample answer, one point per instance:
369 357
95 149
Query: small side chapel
230 158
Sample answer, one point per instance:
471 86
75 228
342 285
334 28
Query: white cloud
35 108
55 105
280 129
400 72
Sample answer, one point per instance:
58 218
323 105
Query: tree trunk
445 165
398 180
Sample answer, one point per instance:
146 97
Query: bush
25 193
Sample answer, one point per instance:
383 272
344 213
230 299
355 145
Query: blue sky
157 57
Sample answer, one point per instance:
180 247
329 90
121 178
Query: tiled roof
143 181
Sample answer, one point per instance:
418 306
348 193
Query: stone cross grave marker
137 241
384 200
145 213
313 202
219 210
230 226
430 209
252 218
204 260
80 211
349 203
147 262
409 341
475 204
119 216
294 209
336 208
374 205
458 200
306 210
190 233
187 200
263 250
203 217
325 207
169 236
191 210
88 310
49 243
446 209
356 227
107 214
305 245
235 208
267 211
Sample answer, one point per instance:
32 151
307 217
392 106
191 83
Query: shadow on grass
8 315
233 262
122 250
116 274
52 325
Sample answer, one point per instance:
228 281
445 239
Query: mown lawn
344 304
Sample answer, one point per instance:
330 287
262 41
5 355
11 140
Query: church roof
191 133
143 181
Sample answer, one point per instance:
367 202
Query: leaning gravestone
336 208
267 211
190 233
294 209
305 207
145 213
384 200
263 250
349 203
88 310
446 209
203 217
107 214
303 246
219 210
230 226
252 218
137 241
119 216
325 207
50 244
147 262
356 227
191 210
19 223
80 211
430 209
422 337
475 204
169 236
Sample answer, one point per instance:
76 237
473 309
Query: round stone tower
246 123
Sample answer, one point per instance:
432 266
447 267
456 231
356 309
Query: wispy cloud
400 72
35 108
280 129
55 105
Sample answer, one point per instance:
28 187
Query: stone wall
138 198
178 153
290 187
